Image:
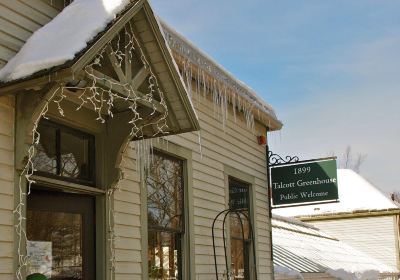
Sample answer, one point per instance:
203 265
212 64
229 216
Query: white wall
236 146
6 187
376 236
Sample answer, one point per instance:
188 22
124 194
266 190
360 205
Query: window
165 204
64 153
240 233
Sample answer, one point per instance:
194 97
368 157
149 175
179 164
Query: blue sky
329 68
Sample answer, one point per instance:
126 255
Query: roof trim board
350 215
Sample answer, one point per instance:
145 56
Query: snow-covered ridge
62 38
356 195
297 226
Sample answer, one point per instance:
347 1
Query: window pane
45 159
240 236
165 193
55 244
65 152
237 257
163 255
74 156
238 195
236 225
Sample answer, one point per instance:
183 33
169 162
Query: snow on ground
355 194
281 270
344 275
62 38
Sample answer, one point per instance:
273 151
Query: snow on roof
355 194
298 249
62 38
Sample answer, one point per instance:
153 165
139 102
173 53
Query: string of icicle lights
101 101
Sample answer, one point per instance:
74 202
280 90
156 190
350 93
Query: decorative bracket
275 159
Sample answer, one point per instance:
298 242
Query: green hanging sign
304 182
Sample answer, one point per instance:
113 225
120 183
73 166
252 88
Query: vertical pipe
269 205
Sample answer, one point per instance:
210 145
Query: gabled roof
60 51
304 248
356 195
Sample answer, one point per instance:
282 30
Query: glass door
60 229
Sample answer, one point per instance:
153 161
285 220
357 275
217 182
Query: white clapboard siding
375 236
6 186
234 145
127 221
19 19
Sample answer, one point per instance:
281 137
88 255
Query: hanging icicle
213 79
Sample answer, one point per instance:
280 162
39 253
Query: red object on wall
262 140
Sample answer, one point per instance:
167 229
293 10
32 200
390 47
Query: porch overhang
131 59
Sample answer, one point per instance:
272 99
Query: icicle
210 77
200 144
204 84
234 107
198 83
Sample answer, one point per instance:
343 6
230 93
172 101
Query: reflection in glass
163 254
74 161
165 217
165 193
54 244
45 159
64 152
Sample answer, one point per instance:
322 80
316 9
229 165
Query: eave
350 215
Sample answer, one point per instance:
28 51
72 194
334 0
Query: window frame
59 128
237 175
180 234
248 241
188 265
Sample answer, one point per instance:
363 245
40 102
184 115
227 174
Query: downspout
397 230
269 204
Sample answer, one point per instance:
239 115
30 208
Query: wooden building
113 165
302 251
364 218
